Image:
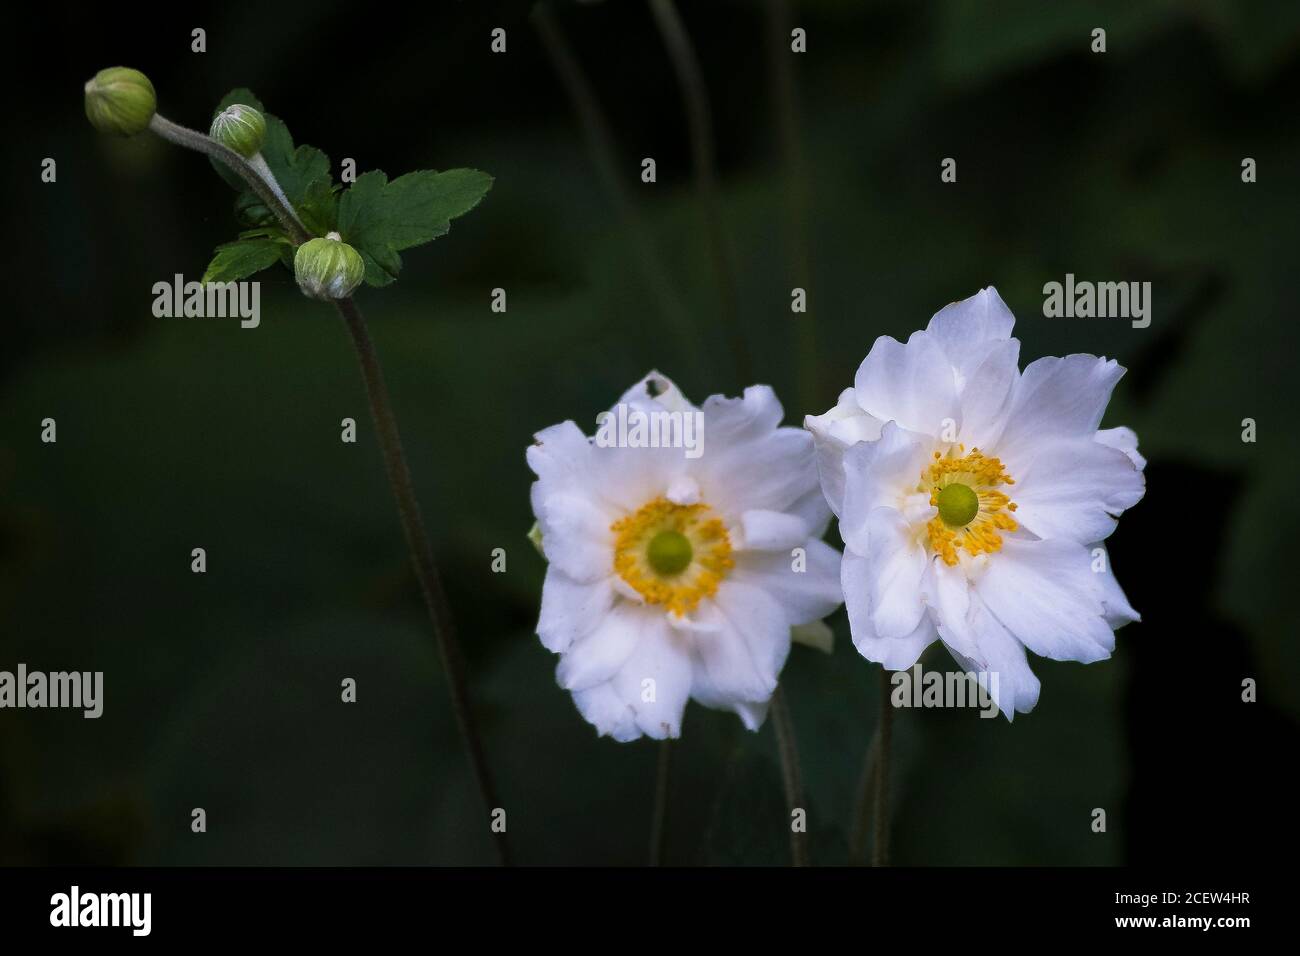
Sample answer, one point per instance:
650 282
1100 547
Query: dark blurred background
222 689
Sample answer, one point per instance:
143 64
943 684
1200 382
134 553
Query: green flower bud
240 128
120 100
328 268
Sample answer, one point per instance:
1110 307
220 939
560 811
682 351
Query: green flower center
669 552
958 505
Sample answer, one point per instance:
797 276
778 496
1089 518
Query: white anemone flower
973 499
679 573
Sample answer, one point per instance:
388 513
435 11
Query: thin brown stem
604 155
864 802
699 121
791 776
786 108
880 849
659 817
421 552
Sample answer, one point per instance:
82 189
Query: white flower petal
571 609
601 707
748 461
762 625
875 475
656 681
1118 609
658 389
979 642
752 713
770 531
813 511
561 453
987 393
839 429
684 490
805 596
725 669
896 565
892 653
1044 593
948 594
1126 440
965 329
602 653
756 414
1006 673
912 384
1056 398
1075 489
630 477
576 535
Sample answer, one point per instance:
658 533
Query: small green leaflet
240 259
378 218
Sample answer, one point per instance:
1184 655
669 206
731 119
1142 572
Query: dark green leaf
319 207
237 260
379 217
249 208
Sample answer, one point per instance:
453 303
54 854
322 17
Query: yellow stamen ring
972 512
671 554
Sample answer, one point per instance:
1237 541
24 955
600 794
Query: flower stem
864 802
271 196
880 848
791 776
421 552
600 144
699 123
786 107
259 165
390 443
659 819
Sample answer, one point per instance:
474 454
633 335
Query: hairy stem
201 142
260 166
659 819
699 123
791 775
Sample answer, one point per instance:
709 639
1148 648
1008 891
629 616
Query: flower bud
240 128
328 268
120 100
